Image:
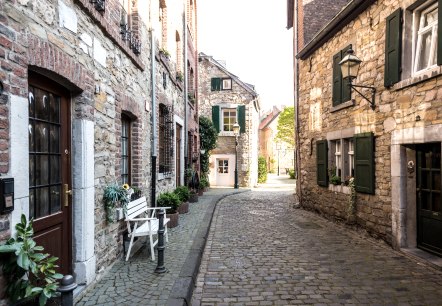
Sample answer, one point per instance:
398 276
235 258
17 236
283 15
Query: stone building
227 100
81 82
392 149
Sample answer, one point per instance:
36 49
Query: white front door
224 170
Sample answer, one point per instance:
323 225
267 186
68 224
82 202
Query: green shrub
169 199
262 170
204 182
183 193
292 173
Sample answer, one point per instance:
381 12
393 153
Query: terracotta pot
183 208
193 198
173 220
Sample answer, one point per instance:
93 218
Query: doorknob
66 193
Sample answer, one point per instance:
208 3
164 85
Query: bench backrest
136 208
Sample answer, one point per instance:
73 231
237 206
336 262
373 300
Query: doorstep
425 257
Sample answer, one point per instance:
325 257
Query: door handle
66 193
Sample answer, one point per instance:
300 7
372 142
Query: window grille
165 139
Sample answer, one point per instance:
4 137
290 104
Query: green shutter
346 93
215 117
393 48
321 162
364 162
337 80
215 84
241 109
439 34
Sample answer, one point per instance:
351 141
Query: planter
183 208
193 198
173 220
34 302
206 189
200 192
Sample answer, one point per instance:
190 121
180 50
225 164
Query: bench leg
165 233
130 246
152 251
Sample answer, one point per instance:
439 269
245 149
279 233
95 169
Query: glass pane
41 137
425 176
54 109
55 199
55 169
436 180
424 50
436 202
31 203
430 17
42 200
31 170
433 60
31 101
435 158
31 136
41 104
425 200
42 170
54 139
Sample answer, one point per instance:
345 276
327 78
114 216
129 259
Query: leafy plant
193 180
28 272
352 198
208 139
114 194
286 126
335 180
183 193
165 52
179 76
292 173
262 169
204 182
169 199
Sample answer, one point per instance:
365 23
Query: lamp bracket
373 93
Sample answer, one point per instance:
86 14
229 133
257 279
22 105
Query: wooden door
50 168
178 155
429 201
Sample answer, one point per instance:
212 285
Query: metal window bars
127 34
166 139
100 5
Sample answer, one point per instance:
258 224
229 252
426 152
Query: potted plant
183 194
113 196
204 183
170 199
30 275
193 184
179 76
164 52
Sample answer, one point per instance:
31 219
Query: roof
344 17
269 118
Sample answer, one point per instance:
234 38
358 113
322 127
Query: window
341 91
425 37
224 117
351 158
125 150
223 166
229 119
165 141
217 84
338 158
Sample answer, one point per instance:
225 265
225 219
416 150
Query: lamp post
278 147
236 130
350 67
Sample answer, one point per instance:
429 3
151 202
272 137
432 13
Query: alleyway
261 251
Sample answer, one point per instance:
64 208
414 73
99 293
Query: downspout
296 94
186 80
154 122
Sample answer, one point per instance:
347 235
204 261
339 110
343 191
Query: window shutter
346 93
241 110
215 117
364 162
393 48
439 33
337 79
215 84
321 163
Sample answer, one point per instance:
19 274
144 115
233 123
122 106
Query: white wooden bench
143 221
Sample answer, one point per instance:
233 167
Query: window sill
342 106
339 188
162 176
421 77
226 134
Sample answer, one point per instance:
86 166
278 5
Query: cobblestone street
261 251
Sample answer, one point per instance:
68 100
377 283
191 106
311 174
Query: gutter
343 18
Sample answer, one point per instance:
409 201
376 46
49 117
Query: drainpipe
186 80
296 94
154 123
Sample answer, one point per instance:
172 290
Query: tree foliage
286 126
208 138
262 169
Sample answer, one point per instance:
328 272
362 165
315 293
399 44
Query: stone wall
397 109
248 141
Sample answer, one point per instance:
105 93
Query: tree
208 138
286 126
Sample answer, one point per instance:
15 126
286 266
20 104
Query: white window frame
351 157
419 31
338 158
226 84
223 166
235 119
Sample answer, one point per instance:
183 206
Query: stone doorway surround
403 187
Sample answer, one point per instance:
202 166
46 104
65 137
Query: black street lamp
236 130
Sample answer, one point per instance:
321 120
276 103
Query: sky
252 38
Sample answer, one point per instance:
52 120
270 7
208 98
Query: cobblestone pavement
134 282
261 251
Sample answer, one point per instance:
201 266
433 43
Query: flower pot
193 198
173 220
200 192
183 208
33 301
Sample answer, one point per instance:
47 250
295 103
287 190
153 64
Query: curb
182 289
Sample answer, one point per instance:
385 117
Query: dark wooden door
429 201
178 155
50 168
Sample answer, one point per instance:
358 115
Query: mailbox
6 194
